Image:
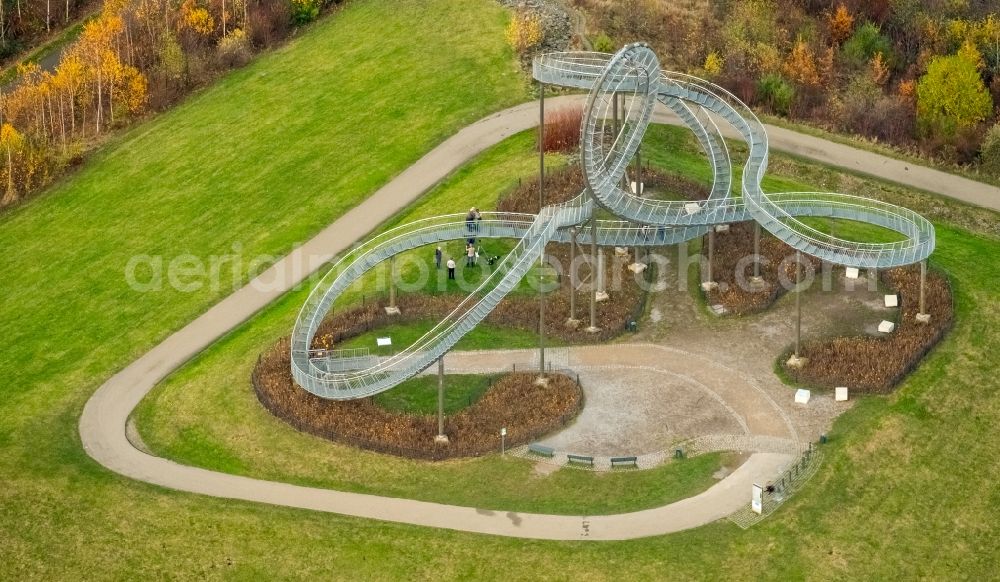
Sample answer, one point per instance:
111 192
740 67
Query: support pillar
756 281
922 315
541 205
798 303
392 309
441 437
797 361
709 284
572 322
593 274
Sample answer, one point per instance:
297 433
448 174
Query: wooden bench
581 459
541 450
624 462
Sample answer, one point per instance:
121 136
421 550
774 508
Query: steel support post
756 250
541 205
711 251
392 281
593 270
441 396
798 303
572 275
923 282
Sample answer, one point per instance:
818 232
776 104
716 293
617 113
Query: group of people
471 252
471 257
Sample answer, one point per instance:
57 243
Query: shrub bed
734 246
876 364
514 401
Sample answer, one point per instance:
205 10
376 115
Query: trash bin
632 326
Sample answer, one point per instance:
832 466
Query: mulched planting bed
736 245
515 401
877 364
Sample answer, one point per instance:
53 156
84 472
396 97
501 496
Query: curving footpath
103 422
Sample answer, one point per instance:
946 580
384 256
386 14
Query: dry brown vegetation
731 264
515 401
562 129
877 364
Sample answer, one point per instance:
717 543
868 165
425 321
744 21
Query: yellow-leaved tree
951 96
524 31
11 141
801 65
841 24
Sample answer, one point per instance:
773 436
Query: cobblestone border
692 447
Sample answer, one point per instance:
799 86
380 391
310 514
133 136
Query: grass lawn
908 488
882 453
172 419
420 395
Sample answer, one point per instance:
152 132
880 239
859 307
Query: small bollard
822 439
678 453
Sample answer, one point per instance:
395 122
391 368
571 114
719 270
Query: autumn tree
524 32
800 67
841 23
951 97
714 64
879 69
11 141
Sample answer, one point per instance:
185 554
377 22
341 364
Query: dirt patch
515 401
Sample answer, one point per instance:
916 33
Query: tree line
132 57
920 74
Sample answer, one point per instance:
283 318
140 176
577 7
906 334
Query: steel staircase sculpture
632 81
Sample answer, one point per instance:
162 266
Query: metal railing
608 144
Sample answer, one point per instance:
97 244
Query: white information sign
757 501
383 341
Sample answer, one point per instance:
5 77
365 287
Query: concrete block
886 326
852 273
840 394
692 208
796 361
892 300
802 396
